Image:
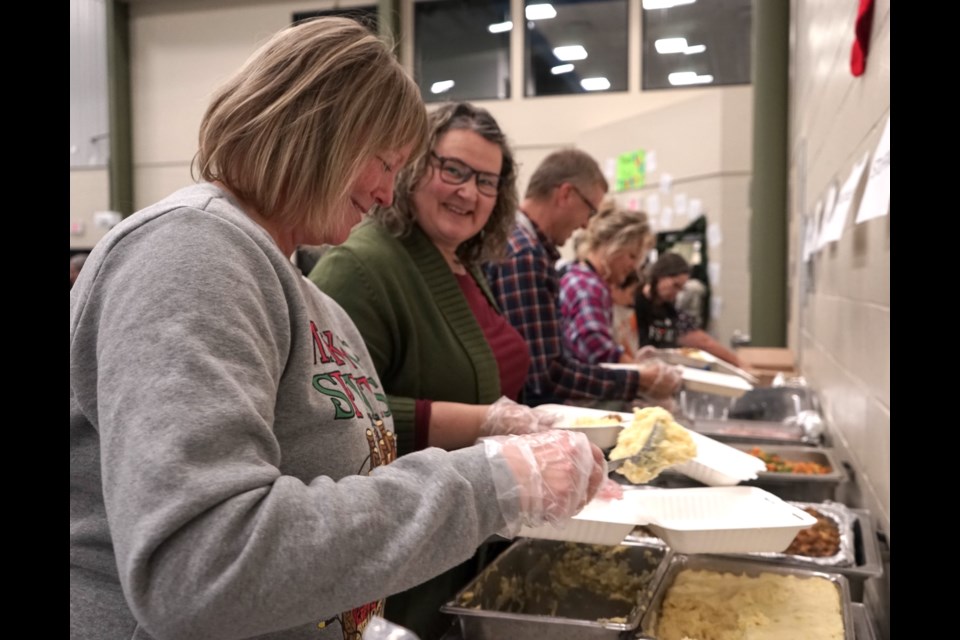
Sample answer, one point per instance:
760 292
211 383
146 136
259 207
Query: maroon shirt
508 346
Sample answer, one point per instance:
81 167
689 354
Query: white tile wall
843 324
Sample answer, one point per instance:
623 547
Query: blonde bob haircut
615 228
490 243
292 129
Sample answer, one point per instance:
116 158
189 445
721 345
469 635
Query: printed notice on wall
666 218
714 237
653 205
811 225
696 207
829 201
876 197
833 226
631 171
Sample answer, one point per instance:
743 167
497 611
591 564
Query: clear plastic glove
645 353
610 489
659 379
550 476
379 629
507 418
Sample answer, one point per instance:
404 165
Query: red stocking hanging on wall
861 42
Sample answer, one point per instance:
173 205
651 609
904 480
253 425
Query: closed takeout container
679 562
532 591
700 520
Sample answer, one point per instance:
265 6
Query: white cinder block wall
840 302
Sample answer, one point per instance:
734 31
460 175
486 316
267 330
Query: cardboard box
776 359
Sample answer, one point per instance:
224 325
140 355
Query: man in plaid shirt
563 193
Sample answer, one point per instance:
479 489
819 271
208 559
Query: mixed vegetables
778 464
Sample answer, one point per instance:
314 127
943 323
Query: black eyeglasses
593 210
453 171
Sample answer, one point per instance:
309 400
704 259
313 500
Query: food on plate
777 464
672 445
822 540
709 605
696 354
609 420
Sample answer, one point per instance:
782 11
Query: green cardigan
421 333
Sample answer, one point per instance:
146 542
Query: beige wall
840 303
89 193
181 50
703 143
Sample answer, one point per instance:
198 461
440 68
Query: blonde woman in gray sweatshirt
233 468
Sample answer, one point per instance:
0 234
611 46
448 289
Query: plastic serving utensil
645 456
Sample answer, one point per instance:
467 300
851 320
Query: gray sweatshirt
228 437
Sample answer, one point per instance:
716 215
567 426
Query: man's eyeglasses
452 171
593 210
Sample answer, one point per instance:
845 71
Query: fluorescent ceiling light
561 68
440 87
500 27
688 77
664 4
595 84
573 52
695 48
540 12
671 45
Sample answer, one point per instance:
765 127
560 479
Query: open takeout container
701 520
702 380
700 359
716 464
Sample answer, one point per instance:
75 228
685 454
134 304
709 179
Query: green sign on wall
631 170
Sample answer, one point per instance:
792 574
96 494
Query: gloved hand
505 417
645 353
610 489
543 477
659 379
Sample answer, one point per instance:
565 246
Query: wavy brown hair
290 131
490 242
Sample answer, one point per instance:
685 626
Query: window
690 43
462 49
575 46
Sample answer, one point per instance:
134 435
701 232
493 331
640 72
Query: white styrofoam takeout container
700 520
716 464
722 384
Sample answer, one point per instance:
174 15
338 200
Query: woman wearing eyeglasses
410 279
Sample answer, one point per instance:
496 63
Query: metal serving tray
800 486
486 612
843 519
678 562
863 622
753 431
865 550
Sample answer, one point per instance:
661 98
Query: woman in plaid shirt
615 243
